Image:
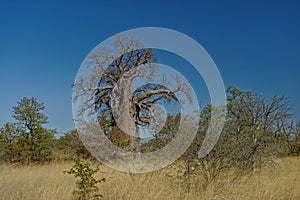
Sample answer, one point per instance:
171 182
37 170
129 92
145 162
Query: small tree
34 140
26 140
86 185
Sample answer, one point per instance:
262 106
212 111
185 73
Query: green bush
86 185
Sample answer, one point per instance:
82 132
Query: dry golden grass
48 182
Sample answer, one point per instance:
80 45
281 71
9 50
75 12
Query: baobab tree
114 72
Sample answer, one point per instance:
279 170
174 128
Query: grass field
49 182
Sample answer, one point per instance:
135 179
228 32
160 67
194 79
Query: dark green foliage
9 148
86 185
27 141
69 146
118 137
164 136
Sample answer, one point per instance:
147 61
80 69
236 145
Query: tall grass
49 182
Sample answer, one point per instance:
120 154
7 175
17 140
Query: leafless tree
108 88
247 140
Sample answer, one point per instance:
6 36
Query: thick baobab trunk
135 140
124 114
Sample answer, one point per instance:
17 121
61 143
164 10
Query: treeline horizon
256 130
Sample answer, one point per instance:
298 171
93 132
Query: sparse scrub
47 182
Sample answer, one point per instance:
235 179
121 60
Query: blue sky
255 44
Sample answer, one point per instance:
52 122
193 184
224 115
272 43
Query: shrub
86 184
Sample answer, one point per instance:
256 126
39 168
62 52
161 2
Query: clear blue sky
255 44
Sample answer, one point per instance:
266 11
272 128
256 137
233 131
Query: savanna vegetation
255 157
